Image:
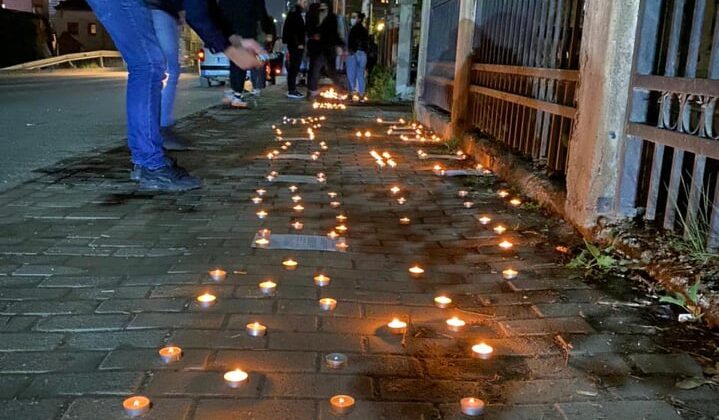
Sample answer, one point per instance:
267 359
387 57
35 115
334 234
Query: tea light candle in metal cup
218 274
462 193
298 208
268 288
256 200
262 242
235 378
482 351
332 194
290 264
503 193
170 354
455 324
293 188
395 189
341 218
297 225
335 360
438 170
270 177
136 406
341 228
499 229
328 304
321 280
484 220
404 220
296 198
516 202
206 300
416 271
255 329
397 326
333 235
442 301
261 192
472 406
509 274
335 204
358 134
342 404
506 245
367 134
342 244
261 214
468 204
401 200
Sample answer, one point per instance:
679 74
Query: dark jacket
358 39
323 37
245 17
172 7
199 19
293 31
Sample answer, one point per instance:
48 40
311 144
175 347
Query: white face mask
353 21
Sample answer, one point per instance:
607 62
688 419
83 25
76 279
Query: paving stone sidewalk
95 277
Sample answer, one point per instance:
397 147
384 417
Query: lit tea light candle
404 221
261 214
379 120
292 188
341 218
297 225
170 354
332 194
261 192
438 170
503 193
397 327
321 280
506 244
462 193
328 304
298 208
442 302
235 378
255 329
455 324
335 204
358 134
275 152
283 147
484 220
395 189
509 274
218 274
472 406
335 360
333 235
515 202
296 198
482 351
341 228
268 288
270 156
468 204
136 406
416 271
499 229
290 264
342 245
342 404
401 200
262 242
206 300
367 134
386 155
256 200
270 177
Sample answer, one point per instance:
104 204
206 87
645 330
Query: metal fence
441 53
671 161
525 76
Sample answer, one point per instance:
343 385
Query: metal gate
671 161
525 76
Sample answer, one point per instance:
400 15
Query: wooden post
463 66
422 56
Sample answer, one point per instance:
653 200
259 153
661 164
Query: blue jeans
129 23
356 64
168 34
258 78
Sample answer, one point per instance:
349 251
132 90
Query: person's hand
340 51
243 58
253 46
236 40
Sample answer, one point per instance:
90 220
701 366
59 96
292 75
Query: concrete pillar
404 48
463 66
599 138
422 56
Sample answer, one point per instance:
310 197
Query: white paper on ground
294 138
299 242
292 156
297 179
463 172
450 157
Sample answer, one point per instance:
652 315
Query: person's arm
199 20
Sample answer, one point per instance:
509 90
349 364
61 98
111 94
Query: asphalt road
48 116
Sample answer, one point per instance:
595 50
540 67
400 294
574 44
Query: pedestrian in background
357 46
294 36
130 25
324 44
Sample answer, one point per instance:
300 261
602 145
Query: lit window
92 28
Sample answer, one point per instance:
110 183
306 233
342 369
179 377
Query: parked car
214 68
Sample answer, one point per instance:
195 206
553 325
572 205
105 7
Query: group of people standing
315 33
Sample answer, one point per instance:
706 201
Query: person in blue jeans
356 61
130 25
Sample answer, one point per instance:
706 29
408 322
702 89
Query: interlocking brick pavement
95 277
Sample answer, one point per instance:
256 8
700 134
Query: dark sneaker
171 141
170 161
168 178
295 95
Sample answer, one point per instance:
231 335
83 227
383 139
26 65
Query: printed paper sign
299 242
